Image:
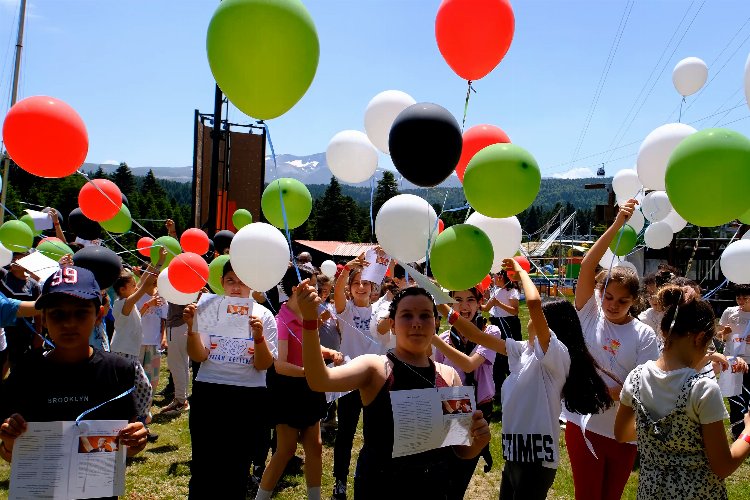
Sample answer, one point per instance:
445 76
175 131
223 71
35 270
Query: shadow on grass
161 418
4 485
179 468
167 448
137 460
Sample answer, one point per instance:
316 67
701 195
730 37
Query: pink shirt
289 328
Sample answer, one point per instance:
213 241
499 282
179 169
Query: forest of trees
340 212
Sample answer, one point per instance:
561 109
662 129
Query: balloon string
372 198
469 90
708 273
8 210
281 199
679 120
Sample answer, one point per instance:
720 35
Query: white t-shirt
738 321
504 296
356 336
532 401
218 369
618 349
380 310
652 318
151 321
128 335
3 341
660 390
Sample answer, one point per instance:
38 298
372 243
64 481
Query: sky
136 70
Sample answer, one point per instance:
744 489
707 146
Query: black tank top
375 457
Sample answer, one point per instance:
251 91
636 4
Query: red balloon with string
441 226
194 240
144 246
475 139
100 199
485 284
188 272
45 137
525 265
474 35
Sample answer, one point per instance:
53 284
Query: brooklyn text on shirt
68 399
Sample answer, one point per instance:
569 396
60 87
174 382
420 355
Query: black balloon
425 144
103 262
125 200
82 226
222 240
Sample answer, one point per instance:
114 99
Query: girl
408 366
735 322
552 365
503 308
298 408
235 390
355 318
677 413
618 342
475 369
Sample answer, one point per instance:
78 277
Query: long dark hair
409 292
681 319
584 391
509 283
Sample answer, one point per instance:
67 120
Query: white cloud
575 173
110 162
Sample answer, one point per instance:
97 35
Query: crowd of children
630 367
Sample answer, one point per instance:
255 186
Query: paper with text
226 321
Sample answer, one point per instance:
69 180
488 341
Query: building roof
337 248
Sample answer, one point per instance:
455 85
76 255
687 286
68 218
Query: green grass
162 471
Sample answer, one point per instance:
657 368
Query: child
153 312
408 366
677 413
70 304
298 408
503 308
618 342
233 389
553 364
735 323
329 330
475 369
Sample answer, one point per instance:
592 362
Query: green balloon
173 248
461 257
624 241
502 180
297 202
54 249
713 162
120 223
16 236
29 221
263 54
215 271
241 218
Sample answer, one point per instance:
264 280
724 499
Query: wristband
310 324
744 437
259 338
452 317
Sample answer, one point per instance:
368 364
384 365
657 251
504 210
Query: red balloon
188 272
144 246
194 240
45 136
476 139
474 35
484 284
441 226
525 265
52 239
100 199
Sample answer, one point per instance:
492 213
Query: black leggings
738 406
522 481
349 409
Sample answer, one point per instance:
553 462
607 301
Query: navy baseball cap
73 281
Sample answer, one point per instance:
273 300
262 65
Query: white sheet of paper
426 419
42 220
59 460
378 266
226 321
437 293
39 264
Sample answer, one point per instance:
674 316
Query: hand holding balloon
512 265
626 210
308 300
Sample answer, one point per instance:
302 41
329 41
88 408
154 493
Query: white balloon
735 262
653 155
381 111
656 206
746 236
609 260
689 75
6 256
328 267
675 221
747 80
626 184
658 235
403 226
168 292
259 254
637 221
505 235
638 198
351 156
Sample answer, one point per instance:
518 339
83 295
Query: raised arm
587 275
466 363
56 224
195 348
471 332
540 330
151 275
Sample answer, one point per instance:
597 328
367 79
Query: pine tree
151 185
100 174
334 219
125 179
387 188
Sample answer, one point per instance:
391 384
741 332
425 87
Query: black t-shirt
42 390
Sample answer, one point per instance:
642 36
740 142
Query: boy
736 333
74 377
